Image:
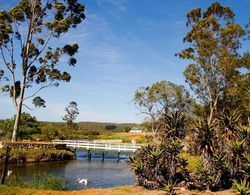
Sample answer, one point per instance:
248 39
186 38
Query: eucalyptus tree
71 113
29 60
214 73
161 98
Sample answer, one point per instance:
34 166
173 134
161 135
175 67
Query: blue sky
124 44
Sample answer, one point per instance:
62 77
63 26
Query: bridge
99 145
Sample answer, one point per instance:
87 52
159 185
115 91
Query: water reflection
104 174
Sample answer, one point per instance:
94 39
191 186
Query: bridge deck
99 145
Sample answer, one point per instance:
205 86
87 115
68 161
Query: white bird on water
83 181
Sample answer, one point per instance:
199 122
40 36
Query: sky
124 45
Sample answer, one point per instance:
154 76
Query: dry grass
125 137
121 190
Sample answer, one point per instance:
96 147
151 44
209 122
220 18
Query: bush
158 165
224 147
110 127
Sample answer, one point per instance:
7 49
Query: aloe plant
230 119
242 187
206 136
159 164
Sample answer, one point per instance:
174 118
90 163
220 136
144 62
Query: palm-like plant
239 153
159 164
237 147
206 136
174 125
231 119
243 133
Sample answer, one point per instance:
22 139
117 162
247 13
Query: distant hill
98 126
105 126
95 126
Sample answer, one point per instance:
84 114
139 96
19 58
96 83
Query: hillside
97 126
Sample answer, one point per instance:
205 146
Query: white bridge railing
99 145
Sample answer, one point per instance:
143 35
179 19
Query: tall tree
215 73
71 114
26 30
161 98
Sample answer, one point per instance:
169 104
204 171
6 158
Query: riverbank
36 156
121 190
34 152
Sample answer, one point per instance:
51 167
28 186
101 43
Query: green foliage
174 125
33 155
230 119
169 188
29 126
44 181
28 60
205 136
161 97
214 42
110 127
71 114
228 157
48 182
159 164
98 126
242 187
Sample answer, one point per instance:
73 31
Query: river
100 174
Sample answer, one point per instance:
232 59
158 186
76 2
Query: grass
27 156
43 181
125 137
121 190
193 161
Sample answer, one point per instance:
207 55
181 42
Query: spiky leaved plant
242 187
159 164
206 136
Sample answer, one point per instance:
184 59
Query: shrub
159 164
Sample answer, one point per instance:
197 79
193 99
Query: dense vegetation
214 125
31 129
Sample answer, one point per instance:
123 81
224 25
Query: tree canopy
71 113
29 126
215 73
161 98
26 31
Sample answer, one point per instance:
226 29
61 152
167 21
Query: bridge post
102 156
118 156
89 154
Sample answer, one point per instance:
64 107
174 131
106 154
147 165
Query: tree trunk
5 169
213 109
18 112
16 125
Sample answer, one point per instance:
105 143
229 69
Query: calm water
104 174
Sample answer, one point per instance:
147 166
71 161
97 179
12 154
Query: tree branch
4 60
45 45
28 107
41 88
